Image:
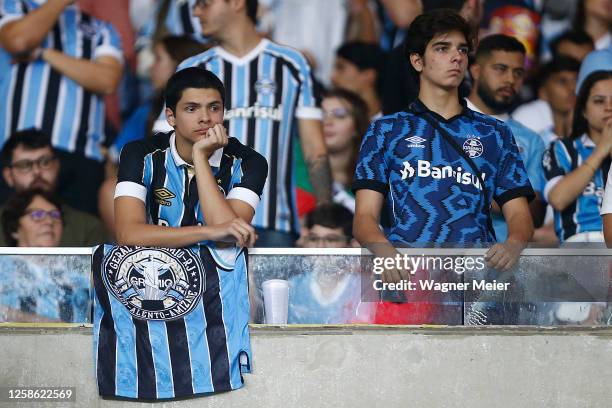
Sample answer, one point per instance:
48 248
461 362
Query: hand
504 256
215 138
604 147
28 56
237 230
395 275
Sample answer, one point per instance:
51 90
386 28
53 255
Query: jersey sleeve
606 205
247 184
556 163
10 10
309 100
109 43
371 172
512 180
133 178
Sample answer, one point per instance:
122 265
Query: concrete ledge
357 366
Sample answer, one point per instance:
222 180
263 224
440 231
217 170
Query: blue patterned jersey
582 215
433 195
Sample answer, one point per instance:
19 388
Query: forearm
319 172
28 32
520 228
93 76
160 236
362 26
402 12
573 184
215 208
607 229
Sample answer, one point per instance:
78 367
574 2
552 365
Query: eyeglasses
38 215
337 113
26 166
328 239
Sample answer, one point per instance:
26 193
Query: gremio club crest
154 284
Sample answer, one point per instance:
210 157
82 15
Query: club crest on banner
154 284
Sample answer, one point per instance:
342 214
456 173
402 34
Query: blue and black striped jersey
33 94
169 323
267 91
152 171
582 215
433 194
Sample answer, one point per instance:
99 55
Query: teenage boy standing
441 164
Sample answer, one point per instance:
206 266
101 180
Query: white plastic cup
276 300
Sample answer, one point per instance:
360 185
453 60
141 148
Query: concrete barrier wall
349 366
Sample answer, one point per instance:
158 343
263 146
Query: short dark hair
579 37
365 56
15 208
251 6
456 5
428 25
194 77
331 215
558 64
498 42
181 47
30 139
580 124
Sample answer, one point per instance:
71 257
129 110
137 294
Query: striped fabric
267 90
35 95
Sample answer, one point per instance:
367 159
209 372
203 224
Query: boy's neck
439 100
239 40
184 149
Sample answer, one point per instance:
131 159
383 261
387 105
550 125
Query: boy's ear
170 117
417 62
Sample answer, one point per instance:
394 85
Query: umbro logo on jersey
424 169
162 195
415 141
155 284
473 147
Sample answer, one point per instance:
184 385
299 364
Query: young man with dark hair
329 226
29 161
270 96
358 68
157 177
498 74
440 164
572 43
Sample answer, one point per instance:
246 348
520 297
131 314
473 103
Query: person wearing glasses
32 218
33 291
29 161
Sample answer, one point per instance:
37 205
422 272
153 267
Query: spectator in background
345 121
57 62
576 168
33 291
32 218
595 17
498 75
270 97
329 289
29 162
575 44
358 69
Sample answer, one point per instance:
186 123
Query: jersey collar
419 107
587 141
245 59
214 160
504 117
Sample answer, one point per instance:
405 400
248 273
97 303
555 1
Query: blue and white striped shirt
35 95
267 90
